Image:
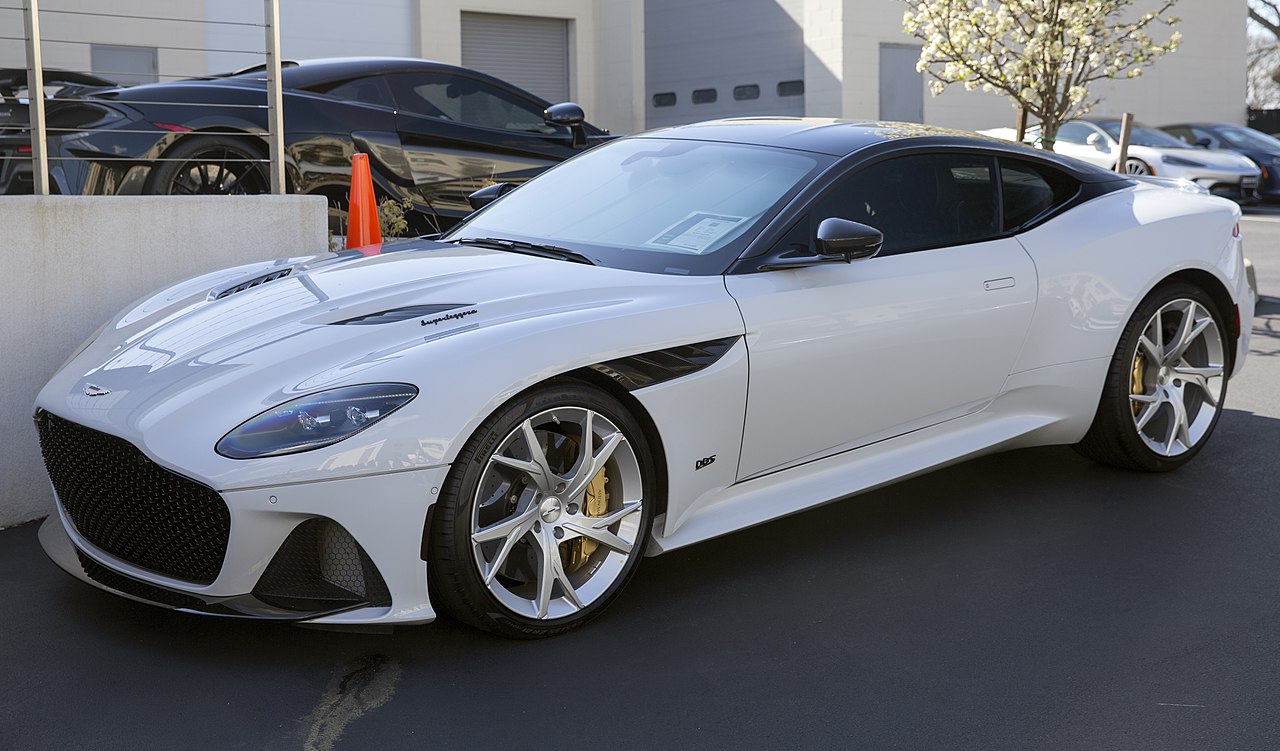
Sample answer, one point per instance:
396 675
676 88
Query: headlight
315 421
1178 161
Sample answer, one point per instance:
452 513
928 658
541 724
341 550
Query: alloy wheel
557 513
219 171
1177 377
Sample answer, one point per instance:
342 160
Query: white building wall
185 40
606 48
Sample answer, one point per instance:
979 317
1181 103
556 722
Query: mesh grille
320 566
131 507
121 583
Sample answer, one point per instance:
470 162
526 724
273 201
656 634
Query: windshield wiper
528 248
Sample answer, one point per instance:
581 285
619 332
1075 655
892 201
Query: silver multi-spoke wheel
1166 383
557 513
1136 167
1177 377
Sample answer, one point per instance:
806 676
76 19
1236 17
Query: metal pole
1126 130
275 112
35 101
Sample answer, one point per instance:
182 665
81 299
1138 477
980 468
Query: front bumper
385 514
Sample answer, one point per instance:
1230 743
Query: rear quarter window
1031 191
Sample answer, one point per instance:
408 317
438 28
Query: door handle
1001 283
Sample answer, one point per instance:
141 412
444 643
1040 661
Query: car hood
223 348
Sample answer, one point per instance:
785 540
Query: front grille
142 590
321 567
131 507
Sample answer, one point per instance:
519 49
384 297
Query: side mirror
570 115
1097 141
1203 143
849 241
489 194
837 241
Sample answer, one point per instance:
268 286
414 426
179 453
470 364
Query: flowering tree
1042 54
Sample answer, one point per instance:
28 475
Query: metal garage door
532 53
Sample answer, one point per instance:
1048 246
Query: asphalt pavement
1031 600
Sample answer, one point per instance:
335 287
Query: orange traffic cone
362 215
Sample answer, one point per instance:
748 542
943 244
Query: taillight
171 127
24 149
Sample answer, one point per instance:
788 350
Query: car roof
839 138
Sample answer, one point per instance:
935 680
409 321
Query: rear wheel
1166 385
545 514
210 165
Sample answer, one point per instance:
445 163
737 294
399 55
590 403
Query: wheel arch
1221 297
254 141
608 385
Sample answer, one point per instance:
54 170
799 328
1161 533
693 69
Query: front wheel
1166 384
545 514
1136 167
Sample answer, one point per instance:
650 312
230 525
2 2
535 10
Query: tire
497 517
1134 166
210 165
1163 396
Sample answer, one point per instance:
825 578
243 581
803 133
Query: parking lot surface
1026 600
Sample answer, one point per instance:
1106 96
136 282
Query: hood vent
251 283
395 315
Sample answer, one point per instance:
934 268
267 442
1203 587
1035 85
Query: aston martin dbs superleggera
668 338
434 133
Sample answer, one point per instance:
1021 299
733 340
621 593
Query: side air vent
399 314
639 371
254 282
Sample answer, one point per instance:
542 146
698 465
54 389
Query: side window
1214 141
371 90
921 201
1077 133
1182 133
467 100
1032 189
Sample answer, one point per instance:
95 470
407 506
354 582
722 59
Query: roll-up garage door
532 53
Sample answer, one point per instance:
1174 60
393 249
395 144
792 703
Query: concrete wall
71 262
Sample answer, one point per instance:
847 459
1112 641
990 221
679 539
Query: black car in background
434 134
1254 144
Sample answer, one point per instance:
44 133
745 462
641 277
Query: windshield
1144 136
1247 138
651 204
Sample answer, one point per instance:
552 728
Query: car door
460 134
1073 141
842 355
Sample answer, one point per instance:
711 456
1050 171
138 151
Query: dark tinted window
470 101
1031 189
665 99
743 93
1181 132
923 201
791 88
362 90
704 96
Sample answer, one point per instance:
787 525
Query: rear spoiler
13 79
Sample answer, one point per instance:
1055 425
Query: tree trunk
1049 133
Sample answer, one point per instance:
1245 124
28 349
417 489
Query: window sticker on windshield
696 232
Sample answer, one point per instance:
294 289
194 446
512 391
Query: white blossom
1041 54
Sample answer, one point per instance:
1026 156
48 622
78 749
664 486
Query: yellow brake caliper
1139 375
574 554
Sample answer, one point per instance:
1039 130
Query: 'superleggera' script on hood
448 317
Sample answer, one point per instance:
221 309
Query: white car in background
1152 152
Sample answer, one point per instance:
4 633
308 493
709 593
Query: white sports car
668 338
1096 140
